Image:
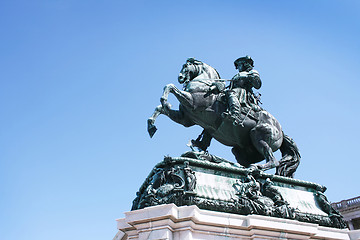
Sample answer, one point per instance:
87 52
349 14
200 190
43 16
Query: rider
238 95
240 92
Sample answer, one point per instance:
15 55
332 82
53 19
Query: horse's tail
290 158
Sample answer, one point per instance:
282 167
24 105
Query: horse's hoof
151 127
253 166
254 169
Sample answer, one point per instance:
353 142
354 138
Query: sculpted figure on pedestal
263 199
190 178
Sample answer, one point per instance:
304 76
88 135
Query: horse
254 140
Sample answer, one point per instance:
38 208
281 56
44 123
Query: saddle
252 112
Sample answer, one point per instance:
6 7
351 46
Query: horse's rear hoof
254 169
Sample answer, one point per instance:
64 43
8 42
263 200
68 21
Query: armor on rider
240 93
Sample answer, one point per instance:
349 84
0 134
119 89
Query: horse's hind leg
203 140
261 141
241 157
246 156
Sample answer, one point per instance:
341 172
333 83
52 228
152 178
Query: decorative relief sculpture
327 207
175 180
263 199
167 185
190 178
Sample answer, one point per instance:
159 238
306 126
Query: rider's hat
246 59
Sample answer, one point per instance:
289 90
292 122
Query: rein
206 79
219 80
199 80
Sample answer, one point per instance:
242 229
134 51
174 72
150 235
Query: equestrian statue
230 114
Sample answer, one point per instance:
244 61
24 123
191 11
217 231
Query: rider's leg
234 105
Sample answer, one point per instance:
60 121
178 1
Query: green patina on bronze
232 115
223 186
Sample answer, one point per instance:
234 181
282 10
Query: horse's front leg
175 115
167 89
165 95
151 121
184 98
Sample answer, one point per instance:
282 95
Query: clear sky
80 78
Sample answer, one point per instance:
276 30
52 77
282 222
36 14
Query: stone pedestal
191 223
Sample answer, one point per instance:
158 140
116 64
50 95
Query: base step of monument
191 223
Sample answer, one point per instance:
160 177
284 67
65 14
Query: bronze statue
203 102
240 93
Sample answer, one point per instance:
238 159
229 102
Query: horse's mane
203 67
208 69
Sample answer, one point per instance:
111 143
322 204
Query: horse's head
194 68
189 70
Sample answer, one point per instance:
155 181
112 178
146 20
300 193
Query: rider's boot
235 114
234 108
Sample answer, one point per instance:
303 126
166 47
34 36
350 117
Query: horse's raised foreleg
166 92
175 115
151 121
165 108
184 98
178 116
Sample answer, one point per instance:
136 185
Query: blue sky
80 78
